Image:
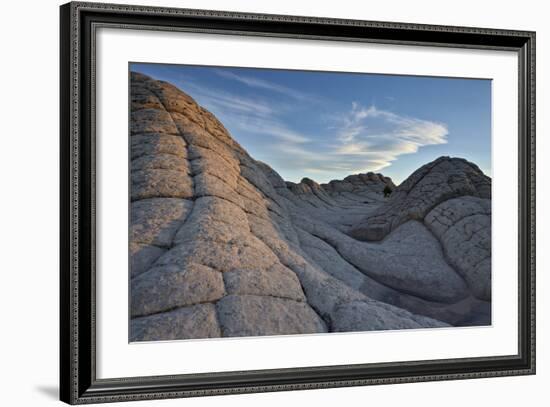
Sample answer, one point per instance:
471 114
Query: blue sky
327 125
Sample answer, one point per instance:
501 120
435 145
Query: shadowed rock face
221 245
463 226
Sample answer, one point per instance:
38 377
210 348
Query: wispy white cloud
420 131
373 132
217 99
252 115
275 129
266 85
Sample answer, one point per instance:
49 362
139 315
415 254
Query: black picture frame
78 382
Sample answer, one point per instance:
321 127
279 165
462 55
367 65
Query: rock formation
221 245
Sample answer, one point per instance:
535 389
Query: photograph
256 201
266 202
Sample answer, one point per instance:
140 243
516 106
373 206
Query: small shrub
387 191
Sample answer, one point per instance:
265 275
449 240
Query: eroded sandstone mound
427 187
221 245
453 199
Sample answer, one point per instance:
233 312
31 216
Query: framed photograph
255 203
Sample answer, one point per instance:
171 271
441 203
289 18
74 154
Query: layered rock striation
221 245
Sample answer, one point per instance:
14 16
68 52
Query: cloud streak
216 99
381 136
266 85
245 114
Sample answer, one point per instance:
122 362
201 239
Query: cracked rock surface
221 245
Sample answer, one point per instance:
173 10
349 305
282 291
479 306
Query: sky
328 125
